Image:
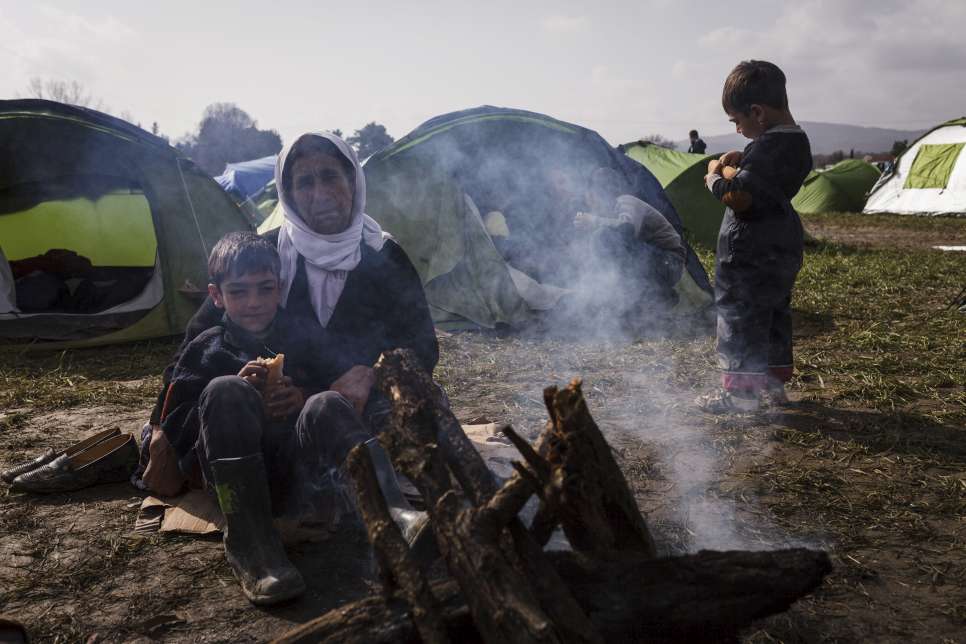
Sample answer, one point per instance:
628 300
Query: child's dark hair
240 253
693 134
754 82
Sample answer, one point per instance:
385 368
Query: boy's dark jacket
223 350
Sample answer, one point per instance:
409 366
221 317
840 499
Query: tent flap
933 165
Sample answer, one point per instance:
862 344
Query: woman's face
322 192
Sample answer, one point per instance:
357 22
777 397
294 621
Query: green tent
841 188
142 216
432 189
682 176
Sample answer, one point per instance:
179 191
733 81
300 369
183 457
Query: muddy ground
870 464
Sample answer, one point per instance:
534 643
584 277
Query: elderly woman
355 286
340 269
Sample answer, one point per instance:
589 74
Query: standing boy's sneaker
722 401
774 396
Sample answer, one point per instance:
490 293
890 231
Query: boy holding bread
247 404
760 243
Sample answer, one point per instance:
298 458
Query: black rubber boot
252 544
414 524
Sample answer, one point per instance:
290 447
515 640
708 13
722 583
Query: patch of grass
894 340
900 222
37 381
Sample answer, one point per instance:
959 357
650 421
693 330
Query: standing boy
264 449
760 243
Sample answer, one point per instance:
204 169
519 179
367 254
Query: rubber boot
252 544
414 524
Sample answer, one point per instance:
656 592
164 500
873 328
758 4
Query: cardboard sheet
194 512
197 512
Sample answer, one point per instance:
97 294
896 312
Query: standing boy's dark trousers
298 457
755 269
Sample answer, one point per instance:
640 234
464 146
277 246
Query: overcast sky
623 68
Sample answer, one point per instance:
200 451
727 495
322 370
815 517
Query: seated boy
262 451
634 237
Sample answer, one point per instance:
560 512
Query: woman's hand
732 158
254 374
355 385
284 400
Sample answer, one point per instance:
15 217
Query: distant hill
824 137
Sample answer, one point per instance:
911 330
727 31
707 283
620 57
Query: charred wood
504 587
385 619
397 566
513 593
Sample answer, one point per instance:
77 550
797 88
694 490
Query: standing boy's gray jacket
759 252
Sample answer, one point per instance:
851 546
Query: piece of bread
728 172
274 366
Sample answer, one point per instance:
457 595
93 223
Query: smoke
526 184
705 502
538 179
689 472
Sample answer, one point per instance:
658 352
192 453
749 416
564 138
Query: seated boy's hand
284 400
714 166
254 374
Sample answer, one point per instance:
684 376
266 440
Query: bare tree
662 141
72 93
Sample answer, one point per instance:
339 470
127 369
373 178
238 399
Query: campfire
496 583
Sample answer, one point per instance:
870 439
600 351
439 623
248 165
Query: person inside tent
8 287
634 239
529 221
339 271
58 280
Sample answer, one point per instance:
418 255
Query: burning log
502 585
580 482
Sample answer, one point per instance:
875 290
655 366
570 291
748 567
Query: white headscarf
328 258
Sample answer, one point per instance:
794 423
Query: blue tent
247 178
